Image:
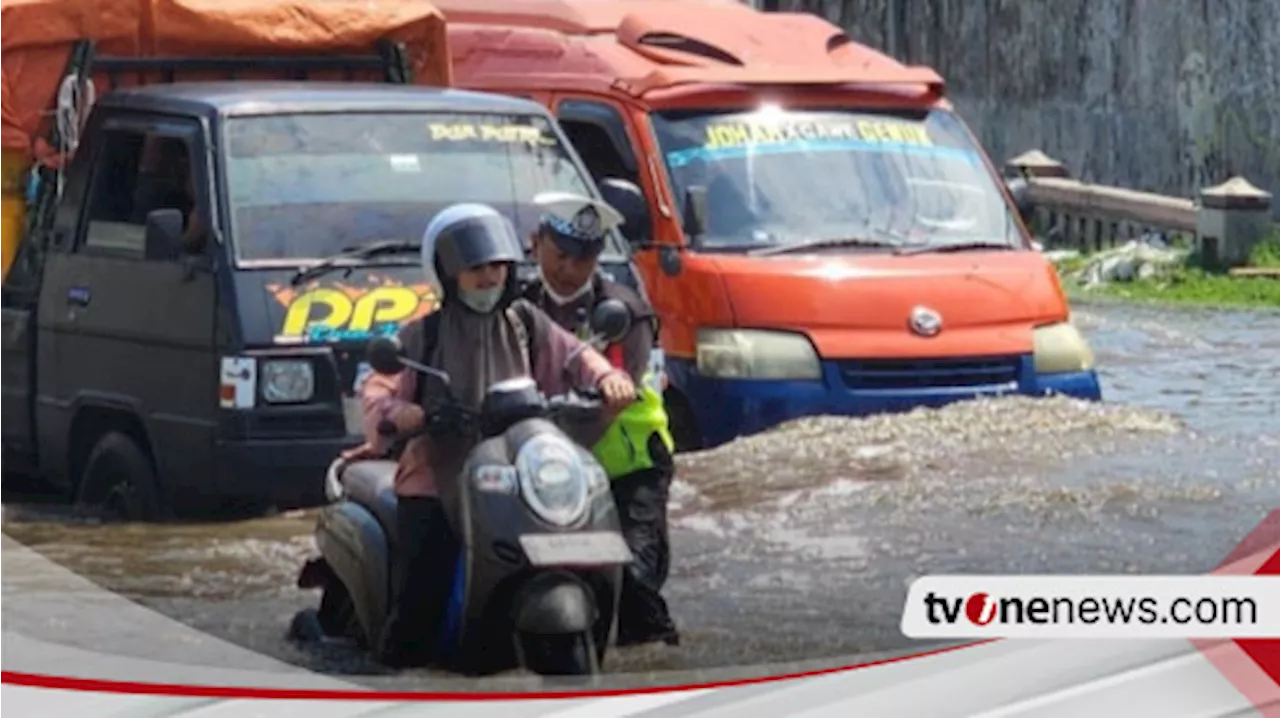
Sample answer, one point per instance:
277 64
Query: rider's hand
618 390
408 418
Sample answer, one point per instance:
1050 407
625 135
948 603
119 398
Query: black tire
559 655
119 482
337 614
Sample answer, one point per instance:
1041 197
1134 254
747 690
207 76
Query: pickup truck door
136 332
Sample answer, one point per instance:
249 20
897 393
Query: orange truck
819 231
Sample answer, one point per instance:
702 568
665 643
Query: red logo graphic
980 609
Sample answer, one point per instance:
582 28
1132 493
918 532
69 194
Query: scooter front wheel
337 614
571 654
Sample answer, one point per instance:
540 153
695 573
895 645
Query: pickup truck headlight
756 354
1060 349
287 381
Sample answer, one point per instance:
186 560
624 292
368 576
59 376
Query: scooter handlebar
583 404
579 405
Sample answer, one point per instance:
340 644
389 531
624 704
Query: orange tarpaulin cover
38 36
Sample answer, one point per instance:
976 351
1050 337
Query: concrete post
1230 220
1036 164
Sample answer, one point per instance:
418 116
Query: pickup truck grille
927 373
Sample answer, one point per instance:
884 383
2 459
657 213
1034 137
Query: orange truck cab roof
643 48
820 233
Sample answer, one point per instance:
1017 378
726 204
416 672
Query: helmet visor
471 242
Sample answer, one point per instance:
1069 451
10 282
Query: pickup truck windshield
308 186
778 177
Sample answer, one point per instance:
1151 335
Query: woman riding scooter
482 333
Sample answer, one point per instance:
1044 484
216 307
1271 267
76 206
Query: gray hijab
477 350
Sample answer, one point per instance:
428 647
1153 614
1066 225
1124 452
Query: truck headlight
287 381
756 354
1060 348
553 479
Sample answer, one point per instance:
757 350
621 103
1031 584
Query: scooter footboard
355 547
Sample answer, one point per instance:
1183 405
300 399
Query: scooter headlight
553 479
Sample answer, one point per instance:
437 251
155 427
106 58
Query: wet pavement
800 543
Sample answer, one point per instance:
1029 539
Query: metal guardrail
1224 222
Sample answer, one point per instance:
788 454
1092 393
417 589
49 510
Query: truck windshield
307 186
775 178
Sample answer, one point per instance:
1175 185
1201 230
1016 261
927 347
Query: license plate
575 549
354 416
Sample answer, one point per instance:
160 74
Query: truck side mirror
1021 193
628 199
164 234
695 212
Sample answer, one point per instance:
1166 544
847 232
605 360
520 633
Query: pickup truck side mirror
1021 193
627 198
164 234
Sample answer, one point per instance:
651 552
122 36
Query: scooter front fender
554 603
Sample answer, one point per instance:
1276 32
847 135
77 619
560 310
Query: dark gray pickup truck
185 321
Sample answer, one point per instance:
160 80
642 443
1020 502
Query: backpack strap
532 336
430 336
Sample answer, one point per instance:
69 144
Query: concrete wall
1161 95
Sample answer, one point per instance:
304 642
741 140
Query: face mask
482 301
562 299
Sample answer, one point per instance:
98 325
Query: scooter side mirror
611 320
383 355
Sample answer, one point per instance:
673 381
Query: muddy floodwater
800 543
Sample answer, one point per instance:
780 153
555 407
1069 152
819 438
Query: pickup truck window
599 134
137 172
310 186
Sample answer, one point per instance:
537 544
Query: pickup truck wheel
119 481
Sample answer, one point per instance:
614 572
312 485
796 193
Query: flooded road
800 543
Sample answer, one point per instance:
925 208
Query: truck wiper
364 251
956 247
822 244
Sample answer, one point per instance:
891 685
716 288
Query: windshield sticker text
344 313
473 132
740 133
727 140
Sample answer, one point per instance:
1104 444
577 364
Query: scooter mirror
611 320
383 355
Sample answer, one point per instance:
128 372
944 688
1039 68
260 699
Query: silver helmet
464 236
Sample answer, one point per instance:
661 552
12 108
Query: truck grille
927 373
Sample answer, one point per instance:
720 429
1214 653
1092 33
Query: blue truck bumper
725 409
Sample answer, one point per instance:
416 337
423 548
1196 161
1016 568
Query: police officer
637 449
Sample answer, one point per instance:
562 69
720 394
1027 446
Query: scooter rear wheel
558 654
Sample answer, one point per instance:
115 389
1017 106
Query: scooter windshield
779 177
